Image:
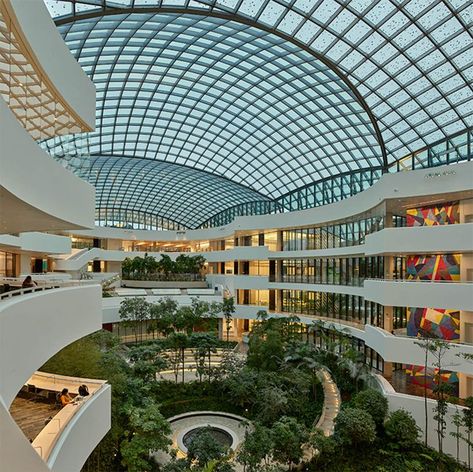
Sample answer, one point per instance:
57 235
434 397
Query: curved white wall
82 434
16 452
416 407
456 238
38 242
34 327
446 295
51 53
36 192
402 185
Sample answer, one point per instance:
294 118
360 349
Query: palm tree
305 356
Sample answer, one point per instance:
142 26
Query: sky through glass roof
273 95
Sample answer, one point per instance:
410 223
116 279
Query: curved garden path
332 402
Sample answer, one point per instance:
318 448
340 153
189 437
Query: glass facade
8 262
337 306
336 271
326 237
329 190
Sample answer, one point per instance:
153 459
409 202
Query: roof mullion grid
133 140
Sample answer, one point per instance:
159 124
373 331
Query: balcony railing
313 279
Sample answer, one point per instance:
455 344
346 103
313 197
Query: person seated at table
65 398
28 282
83 390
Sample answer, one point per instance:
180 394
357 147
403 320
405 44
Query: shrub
374 403
354 426
402 430
204 448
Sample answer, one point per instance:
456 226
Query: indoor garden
273 384
165 269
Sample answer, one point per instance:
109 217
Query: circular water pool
221 436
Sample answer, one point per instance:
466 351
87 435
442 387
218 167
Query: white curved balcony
37 193
53 82
75 430
15 449
435 294
421 240
33 327
404 350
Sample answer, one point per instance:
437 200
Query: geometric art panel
444 214
417 377
433 322
436 267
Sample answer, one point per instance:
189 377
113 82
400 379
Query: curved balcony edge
410 185
53 59
82 433
15 450
26 170
430 294
40 324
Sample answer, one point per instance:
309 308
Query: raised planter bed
164 284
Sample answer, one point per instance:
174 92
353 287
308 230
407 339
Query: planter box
163 284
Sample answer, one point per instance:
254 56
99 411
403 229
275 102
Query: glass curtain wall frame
333 271
342 307
220 95
410 65
333 236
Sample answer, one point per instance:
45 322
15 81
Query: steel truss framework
273 95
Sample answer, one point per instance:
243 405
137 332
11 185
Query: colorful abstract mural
417 377
444 214
437 267
437 322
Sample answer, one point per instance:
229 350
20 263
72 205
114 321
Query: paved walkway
332 403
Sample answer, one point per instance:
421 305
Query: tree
271 403
166 265
402 430
468 423
204 345
242 387
305 356
266 350
321 444
133 312
354 427
457 421
204 448
374 403
176 465
146 361
163 314
148 432
228 309
178 343
441 389
255 448
288 436
426 344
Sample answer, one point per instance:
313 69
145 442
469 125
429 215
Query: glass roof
273 94
219 96
149 186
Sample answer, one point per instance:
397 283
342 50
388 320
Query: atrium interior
236 235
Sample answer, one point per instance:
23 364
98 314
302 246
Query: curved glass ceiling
410 60
178 193
220 96
270 94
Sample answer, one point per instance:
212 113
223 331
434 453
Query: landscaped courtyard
233 407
